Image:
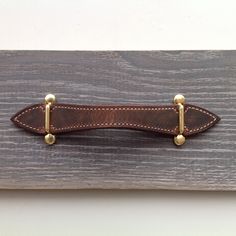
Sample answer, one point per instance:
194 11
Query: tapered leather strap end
31 119
198 120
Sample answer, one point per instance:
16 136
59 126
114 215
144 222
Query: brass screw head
50 98
179 140
50 139
179 98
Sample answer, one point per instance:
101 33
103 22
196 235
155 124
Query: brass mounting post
49 100
180 100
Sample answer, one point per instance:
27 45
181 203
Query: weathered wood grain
119 158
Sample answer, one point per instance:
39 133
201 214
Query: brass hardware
50 139
47 118
49 100
180 100
179 140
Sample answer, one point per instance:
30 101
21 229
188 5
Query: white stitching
115 123
115 108
119 124
28 110
204 126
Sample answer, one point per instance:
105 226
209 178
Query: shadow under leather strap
161 119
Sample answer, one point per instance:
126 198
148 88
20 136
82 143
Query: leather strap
161 119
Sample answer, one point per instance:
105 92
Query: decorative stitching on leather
21 114
116 108
115 124
204 126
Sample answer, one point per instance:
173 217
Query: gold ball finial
50 98
179 98
179 140
50 139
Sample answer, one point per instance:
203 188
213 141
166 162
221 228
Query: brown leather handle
180 120
161 119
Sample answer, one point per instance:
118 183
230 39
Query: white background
120 24
117 25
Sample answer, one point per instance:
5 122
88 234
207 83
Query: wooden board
118 159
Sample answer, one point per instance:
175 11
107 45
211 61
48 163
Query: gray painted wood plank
118 159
